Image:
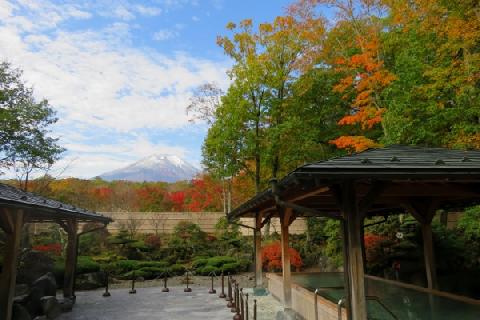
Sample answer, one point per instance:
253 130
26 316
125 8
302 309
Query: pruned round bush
155 271
244 264
207 270
136 273
86 265
177 269
199 263
233 267
155 264
123 266
220 261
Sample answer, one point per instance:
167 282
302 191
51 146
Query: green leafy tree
25 144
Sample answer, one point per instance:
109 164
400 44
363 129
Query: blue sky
120 73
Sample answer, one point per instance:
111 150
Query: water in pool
387 301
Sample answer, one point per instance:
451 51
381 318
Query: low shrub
199 263
207 270
177 269
154 264
86 265
220 261
232 267
123 266
136 274
218 265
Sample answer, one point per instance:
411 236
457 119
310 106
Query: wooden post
424 211
353 224
71 258
257 234
285 215
428 254
12 223
346 274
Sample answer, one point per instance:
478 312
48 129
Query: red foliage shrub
153 241
272 257
373 246
178 200
51 248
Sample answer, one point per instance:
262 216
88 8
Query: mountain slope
161 167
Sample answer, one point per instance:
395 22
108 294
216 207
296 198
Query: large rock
32 266
32 302
21 289
90 281
47 284
50 306
20 313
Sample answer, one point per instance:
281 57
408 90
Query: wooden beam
429 256
309 194
71 227
285 215
257 234
305 210
354 222
5 222
9 269
267 219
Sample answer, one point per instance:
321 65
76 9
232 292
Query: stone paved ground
149 304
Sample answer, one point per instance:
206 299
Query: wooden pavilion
376 182
17 208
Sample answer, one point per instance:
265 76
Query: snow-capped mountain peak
157 167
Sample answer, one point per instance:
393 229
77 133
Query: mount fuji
159 167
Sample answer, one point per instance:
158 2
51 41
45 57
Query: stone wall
165 222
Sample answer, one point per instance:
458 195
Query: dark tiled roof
401 157
392 162
14 197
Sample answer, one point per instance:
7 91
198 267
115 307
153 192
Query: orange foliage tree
272 257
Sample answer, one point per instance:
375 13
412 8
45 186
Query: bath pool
390 301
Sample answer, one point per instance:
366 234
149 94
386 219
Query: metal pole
255 309
339 304
237 304
234 302
165 288
212 291
133 291
246 306
187 289
229 297
242 305
316 304
222 295
106 293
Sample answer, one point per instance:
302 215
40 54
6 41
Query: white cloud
148 11
95 77
123 13
164 34
195 18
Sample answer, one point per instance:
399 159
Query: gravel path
151 303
